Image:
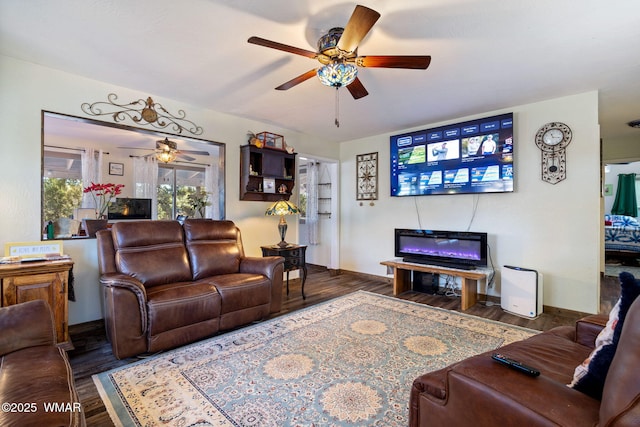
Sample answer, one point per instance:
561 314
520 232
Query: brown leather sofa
480 392
167 284
34 372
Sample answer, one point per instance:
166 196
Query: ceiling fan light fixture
337 74
166 156
634 124
166 151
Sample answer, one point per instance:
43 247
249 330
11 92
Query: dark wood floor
92 353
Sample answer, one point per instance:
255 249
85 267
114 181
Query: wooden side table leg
304 279
287 282
469 293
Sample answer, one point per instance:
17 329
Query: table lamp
282 208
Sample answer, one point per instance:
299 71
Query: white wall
555 229
28 88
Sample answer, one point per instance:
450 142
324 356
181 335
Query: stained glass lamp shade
337 74
282 208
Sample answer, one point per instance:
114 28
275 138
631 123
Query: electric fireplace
455 249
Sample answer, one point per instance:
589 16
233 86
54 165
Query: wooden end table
294 259
46 280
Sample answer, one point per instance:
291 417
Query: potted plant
102 195
199 201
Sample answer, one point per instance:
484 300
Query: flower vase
91 226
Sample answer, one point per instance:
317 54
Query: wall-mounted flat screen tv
468 157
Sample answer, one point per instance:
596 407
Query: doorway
318 222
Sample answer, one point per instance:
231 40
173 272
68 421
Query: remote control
514 364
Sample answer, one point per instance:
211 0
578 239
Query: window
61 184
303 194
178 187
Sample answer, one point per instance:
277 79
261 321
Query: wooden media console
402 278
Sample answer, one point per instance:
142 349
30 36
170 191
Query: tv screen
127 208
468 157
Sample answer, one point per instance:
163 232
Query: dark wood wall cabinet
266 174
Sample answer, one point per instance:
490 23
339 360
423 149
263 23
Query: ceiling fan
338 54
167 151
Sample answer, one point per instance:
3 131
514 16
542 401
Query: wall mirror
77 152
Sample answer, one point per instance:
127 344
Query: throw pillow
589 377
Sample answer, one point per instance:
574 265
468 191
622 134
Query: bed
621 236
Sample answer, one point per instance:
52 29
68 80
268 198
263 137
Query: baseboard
389 280
86 327
495 300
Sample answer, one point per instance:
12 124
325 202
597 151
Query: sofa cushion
151 251
37 376
590 376
241 291
24 325
176 305
214 247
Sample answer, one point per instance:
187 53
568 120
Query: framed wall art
116 169
367 176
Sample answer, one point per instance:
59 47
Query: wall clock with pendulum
552 139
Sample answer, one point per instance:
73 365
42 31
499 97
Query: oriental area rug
346 362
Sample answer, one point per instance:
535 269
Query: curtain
312 202
212 186
145 179
625 202
91 164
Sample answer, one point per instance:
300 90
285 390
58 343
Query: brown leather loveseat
36 381
167 284
480 392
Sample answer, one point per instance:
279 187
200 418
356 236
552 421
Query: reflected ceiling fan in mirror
338 54
167 151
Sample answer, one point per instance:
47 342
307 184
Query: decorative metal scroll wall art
142 112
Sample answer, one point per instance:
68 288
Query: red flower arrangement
102 195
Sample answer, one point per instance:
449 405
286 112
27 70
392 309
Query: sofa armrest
24 325
125 314
272 267
261 265
123 282
120 280
481 392
588 328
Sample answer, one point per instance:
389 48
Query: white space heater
521 290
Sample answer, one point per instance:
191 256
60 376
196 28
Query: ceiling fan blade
275 45
386 61
195 152
301 78
357 28
185 157
135 148
356 89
